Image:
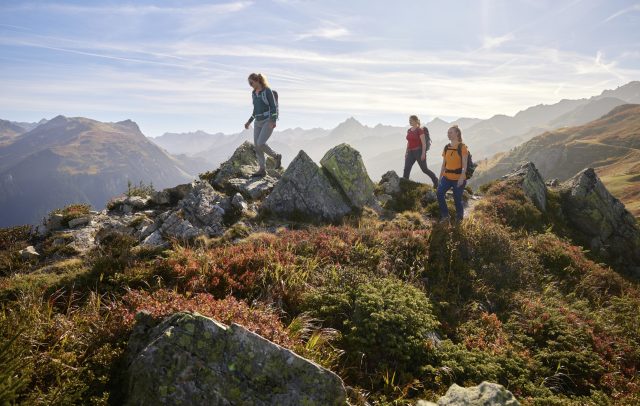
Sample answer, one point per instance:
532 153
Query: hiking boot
278 159
260 173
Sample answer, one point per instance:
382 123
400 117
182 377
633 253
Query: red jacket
413 138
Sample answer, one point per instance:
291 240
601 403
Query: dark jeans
444 185
414 156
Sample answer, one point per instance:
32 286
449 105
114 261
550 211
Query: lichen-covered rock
390 183
252 188
344 165
305 192
242 164
484 394
193 360
604 222
532 184
205 208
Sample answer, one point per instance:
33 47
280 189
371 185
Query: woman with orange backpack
453 174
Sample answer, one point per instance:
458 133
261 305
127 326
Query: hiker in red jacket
418 142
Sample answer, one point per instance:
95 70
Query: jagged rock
305 191
174 225
390 183
484 394
344 165
252 188
154 239
532 184
205 208
137 202
606 225
553 182
161 198
242 164
178 193
194 360
238 202
29 253
80 221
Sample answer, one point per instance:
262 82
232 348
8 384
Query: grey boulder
605 224
532 184
194 360
306 192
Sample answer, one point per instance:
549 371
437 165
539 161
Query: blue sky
182 65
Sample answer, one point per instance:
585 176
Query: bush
12 240
506 202
259 319
142 189
72 211
386 321
409 197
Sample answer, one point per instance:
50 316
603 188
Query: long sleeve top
264 105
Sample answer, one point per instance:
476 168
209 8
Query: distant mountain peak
130 124
350 124
438 120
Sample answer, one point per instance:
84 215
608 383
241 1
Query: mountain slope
8 131
501 133
610 144
78 160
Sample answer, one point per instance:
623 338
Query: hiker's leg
265 133
457 199
257 129
409 160
427 171
444 185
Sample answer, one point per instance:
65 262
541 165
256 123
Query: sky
179 66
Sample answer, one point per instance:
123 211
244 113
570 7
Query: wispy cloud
229 7
489 42
630 9
327 31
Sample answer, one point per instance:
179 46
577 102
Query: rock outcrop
608 229
193 360
344 165
306 192
532 184
485 394
234 175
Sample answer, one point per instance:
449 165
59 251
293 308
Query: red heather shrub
260 320
331 243
484 333
226 269
571 266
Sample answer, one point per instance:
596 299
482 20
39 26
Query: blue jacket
264 105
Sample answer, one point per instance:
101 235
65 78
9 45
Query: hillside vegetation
399 307
610 144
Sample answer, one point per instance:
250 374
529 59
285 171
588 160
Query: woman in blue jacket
265 114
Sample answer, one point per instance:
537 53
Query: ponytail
260 78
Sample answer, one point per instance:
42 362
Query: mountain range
383 146
55 162
610 144
79 160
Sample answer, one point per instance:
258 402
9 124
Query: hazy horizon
178 66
